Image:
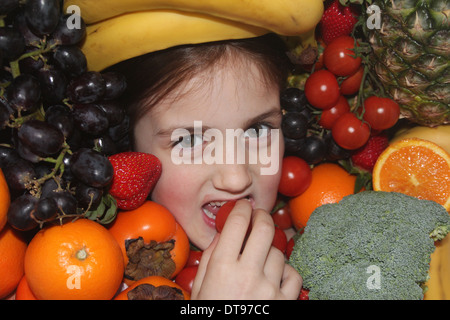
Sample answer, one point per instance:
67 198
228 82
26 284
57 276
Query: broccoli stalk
371 245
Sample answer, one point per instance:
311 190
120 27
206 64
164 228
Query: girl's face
231 98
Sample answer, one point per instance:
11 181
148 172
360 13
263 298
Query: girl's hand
259 272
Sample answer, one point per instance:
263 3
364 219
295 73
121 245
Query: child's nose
232 178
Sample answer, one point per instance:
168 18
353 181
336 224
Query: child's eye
191 141
257 131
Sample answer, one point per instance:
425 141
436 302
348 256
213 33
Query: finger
234 232
291 283
203 266
274 266
260 240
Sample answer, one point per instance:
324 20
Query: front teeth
209 214
217 203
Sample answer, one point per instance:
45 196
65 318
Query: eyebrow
275 112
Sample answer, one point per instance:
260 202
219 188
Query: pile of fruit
365 108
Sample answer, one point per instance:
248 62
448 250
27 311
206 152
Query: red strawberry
337 20
366 156
135 175
304 294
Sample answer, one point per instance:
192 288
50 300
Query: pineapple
412 50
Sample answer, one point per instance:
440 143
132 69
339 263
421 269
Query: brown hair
151 77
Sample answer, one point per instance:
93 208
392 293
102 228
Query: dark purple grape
31 64
294 125
87 88
91 168
25 152
63 35
49 187
24 92
19 174
5 113
293 99
120 131
334 151
53 85
292 146
114 111
21 24
8 156
12 43
65 201
314 149
7 6
104 144
42 16
88 197
116 84
60 117
41 137
71 60
46 209
20 211
90 119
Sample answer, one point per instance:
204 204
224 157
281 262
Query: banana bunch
118 30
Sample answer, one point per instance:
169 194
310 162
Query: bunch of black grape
303 136
58 121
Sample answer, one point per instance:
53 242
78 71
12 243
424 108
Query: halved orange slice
415 167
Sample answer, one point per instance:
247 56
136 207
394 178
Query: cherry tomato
381 113
351 84
279 240
185 278
296 176
223 214
290 247
339 57
349 132
282 217
329 116
322 89
194 258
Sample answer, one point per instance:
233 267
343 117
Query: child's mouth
211 209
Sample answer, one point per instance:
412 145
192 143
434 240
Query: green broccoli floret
371 245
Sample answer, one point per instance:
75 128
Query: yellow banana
302 48
133 34
284 17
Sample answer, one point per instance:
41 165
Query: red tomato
279 240
223 214
381 113
295 176
351 84
290 247
349 132
282 217
194 258
329 116
185 279
322 89
338 57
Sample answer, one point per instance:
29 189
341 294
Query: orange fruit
155 281
330 183
5 200
415 167
23 291
12 255
78 260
